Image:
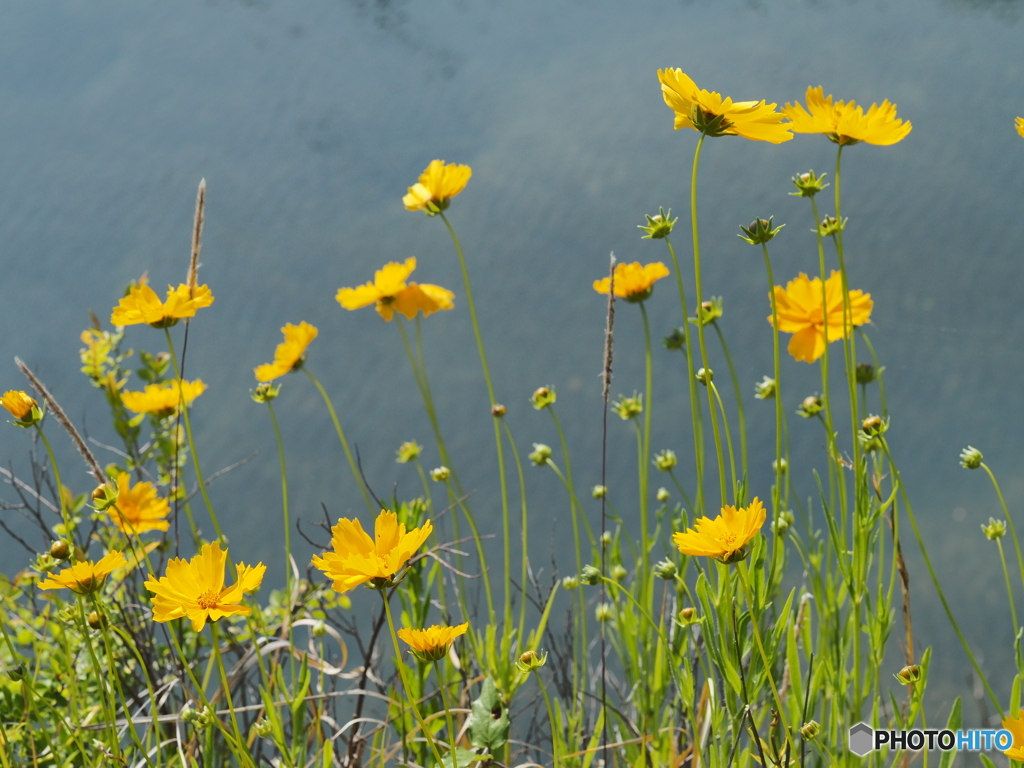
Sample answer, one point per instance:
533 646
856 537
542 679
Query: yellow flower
1019 125
18 403
357 559
85 577
1015 725
432 643
163 398
438 184
726 537
195 588
138 509
390 292
290 353
800 313
142 305
844 122
709 113
632 281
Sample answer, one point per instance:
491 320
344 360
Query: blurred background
310 118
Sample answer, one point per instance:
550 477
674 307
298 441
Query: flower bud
606 538
265 392
59 550
603 612
970 458
629 407
760 231
17 673
319 629
872 427
995 529
781 465
599 491
675 340
570 582
830 225
765 389
543 397
530 661
809 730
663 495
908 675
619 572
666 570
705 376
440 474
709 311
96 620
866 373
105 496
810 407
408 451
658 226
783 522
262 728
808 185
665 460
688 615
498 411
22 407
541 454
590 575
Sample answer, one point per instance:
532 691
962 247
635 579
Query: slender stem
1009 588
1009 519
226 687
447 712
284 506
68 537
700 325
341 436
551 719
777 488
524 530
645 455
106 696
739 396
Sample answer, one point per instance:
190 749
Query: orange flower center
208 600
729 539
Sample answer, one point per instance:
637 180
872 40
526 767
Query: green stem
777 489
60 490
551 719
447 712
700 325
1009 519
106 696
1009 588
645 453
284 506
739 397
728 439
344 443
226 686
524 529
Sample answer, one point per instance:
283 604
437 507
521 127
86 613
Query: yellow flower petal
138 508
633 282
163 397
436 186
142 305
290 353
801 312
18 403
846 123
725 537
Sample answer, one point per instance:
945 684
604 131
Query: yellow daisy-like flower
800 313
633 282
195 588
357 559
432 643
391 293
438 184
163 398
19 404
708 112
844 122
142 305
138 509
86 577
290 353
1015 725
726 537
1019 125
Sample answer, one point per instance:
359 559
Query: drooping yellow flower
163 398
726 537
391 293
138 509
438 184
844 122
1015 725
633 282
708 112
85 577
800 313
432 643
357 559
195 588
18 403
290 353
142 305
1019 125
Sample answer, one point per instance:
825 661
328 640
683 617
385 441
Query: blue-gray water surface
310 118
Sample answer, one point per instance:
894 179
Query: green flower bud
705 376
59 550
810 407
687 616
808 185
17 673
530 661
262 728
675 340
995 529
908 675
440 474
543 397
663 495
629 407
709 311
760 231
590 575
765 389
666 570
603 612
830 225
541 454
104 496
599 491
783 522
866 373
498 411
606 537
665 460
408 451
96 620
265 392
659 225
970 458
319 629
809 730
618 572
570 582
781 465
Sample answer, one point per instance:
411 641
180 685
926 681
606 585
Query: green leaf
463 758
488 721
953 724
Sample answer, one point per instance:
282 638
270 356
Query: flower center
208 599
